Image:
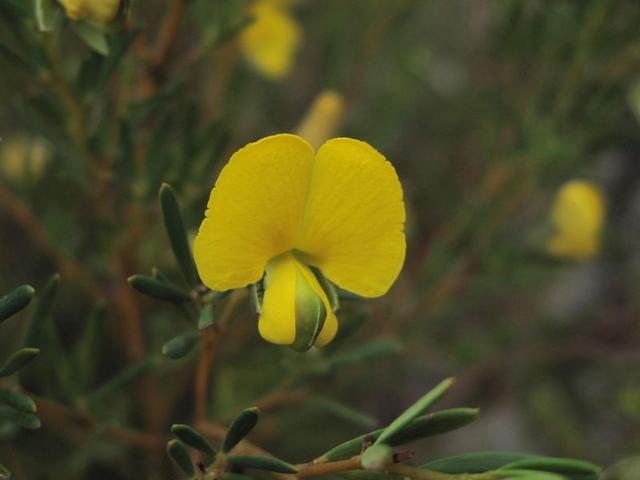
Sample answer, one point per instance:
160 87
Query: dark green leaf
236 476
93 37
374 349
180 456
18 360
123 379
269 464
421 427
158 289
17 400
41 312
515 474
88 349
15 301
193 438
181 345
47 14
370 475
240 428
570 468
476 462
177 234
25 420
414 410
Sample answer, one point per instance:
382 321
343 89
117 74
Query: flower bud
323 118
100 11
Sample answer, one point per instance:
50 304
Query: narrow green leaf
158 289
476 462
414 410
41 312
421 427
376 457
181 345
5 474
515 474
344 412
17 400
177 233
87 351
236 476
18 360
47 14
93 37
15 301
25 420
193 438
269 464
568 467
121 380
374 349
206 317
180 456
240 428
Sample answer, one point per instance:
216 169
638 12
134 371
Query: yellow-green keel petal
295 309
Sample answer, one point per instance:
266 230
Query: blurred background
485 107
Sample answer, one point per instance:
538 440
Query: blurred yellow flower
101 11
281 208
578 215
23 158
323 118
271 41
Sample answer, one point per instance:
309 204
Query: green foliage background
485 108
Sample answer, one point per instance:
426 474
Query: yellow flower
577 214
271 41
322 119
101 11
281 208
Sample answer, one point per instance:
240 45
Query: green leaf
240 428
47 14
476 462
193 438
25 420
374 349
377 457
121 380
421 427
88 349
17 400
236 476
5 474
15 301
269 464
181 345
92 36
570 468
527 475
41 312
414 410
206 317
158 289
180 456
344 412
177 234
18 361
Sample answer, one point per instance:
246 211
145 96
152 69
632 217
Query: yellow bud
578 215
23 158
323 118
101 11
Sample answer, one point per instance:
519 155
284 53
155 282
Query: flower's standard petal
271 41
253 212
353 226
295 309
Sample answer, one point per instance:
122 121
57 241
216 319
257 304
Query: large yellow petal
295 306
353 226
254 211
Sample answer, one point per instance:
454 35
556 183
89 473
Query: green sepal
206 317
18 360
15 301
426 401
194 439
269 464
25 420
180 457
177 233
567 467
180 345
256 295
158 289
377 457
18 401
41 312
240 428
48 13
477 462
328 288
422 427
94 37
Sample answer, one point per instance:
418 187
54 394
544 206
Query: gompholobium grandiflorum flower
578 215
281 211
100 11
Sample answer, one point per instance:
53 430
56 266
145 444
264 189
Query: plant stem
318 469
416 473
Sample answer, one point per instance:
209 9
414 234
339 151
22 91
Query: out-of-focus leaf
527 475
240 428
236 476
25 420
93 37
88 350
476 462
180 345
47 14
180 457
17 400
421 427
569 468
15 301
174 224
193 438
269 464
41 312
157 289
5 474
426 401
344 412
127 376
374 349
18 360
206 317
